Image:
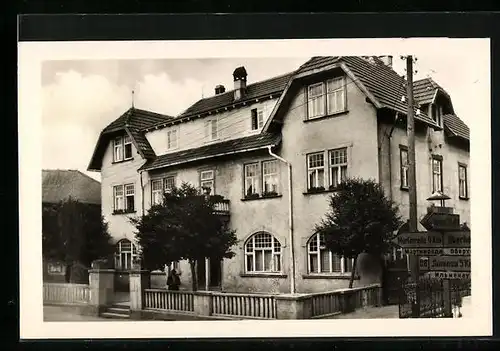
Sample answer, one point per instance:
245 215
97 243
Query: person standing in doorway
173 280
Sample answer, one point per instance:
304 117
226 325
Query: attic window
172 139
437 114
257 119
122 148
326 98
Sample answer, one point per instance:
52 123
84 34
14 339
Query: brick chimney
240 82
387 60
219 89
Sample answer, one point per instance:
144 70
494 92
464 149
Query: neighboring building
333 117
59 185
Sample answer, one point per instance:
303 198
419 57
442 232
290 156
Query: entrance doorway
214 274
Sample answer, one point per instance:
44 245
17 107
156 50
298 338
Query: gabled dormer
125 138
432 99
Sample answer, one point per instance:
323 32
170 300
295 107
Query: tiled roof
456 126
425 89
58 185
134 121
136 118
226 147
386 86
256 90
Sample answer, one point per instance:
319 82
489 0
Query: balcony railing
222 208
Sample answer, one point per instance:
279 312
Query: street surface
58 314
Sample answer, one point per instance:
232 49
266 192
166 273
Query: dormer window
172 139
212 129
257 119
437 114
122 148
326 98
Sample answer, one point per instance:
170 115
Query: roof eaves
273 144
360 85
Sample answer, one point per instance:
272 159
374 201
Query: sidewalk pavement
59 314
391 311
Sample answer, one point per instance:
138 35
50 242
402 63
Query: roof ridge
249 85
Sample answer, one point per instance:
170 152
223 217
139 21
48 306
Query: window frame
341 89
125 144
209 129
120 143
173 130
157 191
207 180
339 166
326 97
276 255
255 177
403 168
256 119
318 253
275 174
465 182
125 208
315 169
437 114
439 159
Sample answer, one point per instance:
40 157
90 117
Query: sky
81 97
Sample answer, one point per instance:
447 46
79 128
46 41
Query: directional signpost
444 250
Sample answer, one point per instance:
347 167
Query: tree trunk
353 273
194 275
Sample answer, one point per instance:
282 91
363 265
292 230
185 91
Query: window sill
332 115
261 197
322 191
263 275
465 198
125 160
346 276
114 213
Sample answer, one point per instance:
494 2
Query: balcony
222 208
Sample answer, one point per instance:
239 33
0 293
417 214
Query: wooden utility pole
412 179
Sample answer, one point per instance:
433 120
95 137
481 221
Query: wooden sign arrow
441 221
446 263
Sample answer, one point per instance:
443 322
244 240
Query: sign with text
448 275
446 263
457 239
456 251
424 251
441 221
419 240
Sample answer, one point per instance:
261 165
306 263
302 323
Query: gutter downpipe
389 138
142 193
290 218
